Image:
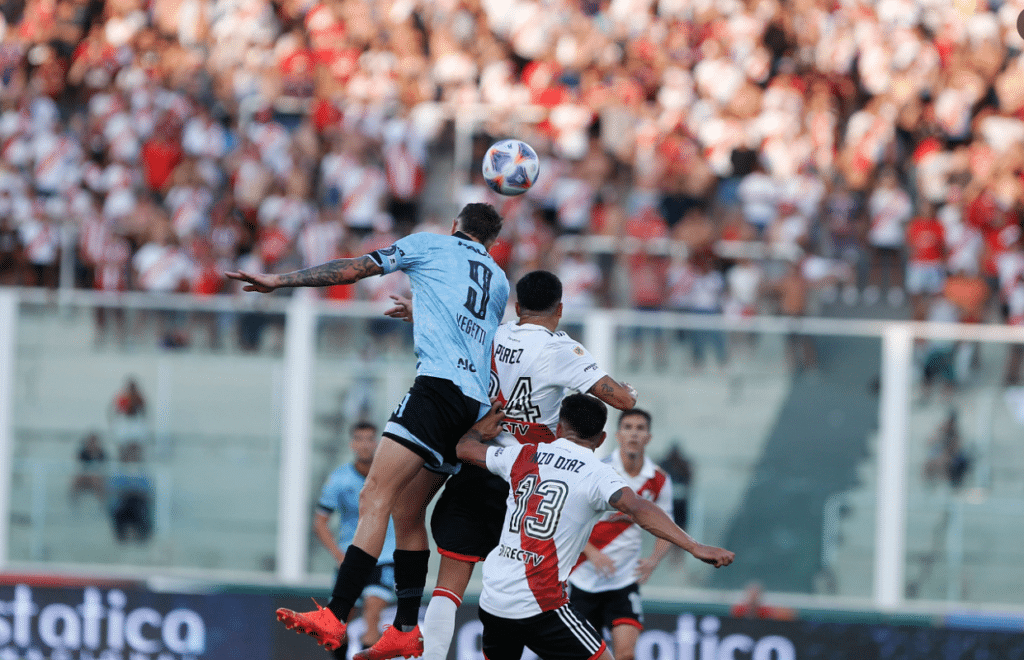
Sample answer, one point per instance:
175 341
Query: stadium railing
244 437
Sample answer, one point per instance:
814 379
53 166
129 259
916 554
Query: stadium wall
42 618
843 514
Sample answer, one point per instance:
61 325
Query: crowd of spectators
877 146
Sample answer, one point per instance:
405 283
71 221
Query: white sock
439 624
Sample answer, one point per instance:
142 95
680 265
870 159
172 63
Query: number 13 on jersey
540 522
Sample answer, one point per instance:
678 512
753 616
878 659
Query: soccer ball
510 167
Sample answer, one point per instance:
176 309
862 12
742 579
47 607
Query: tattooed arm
617 395
339 271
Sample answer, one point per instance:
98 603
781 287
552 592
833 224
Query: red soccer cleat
394 643
321 624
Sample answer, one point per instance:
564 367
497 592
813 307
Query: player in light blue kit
340 494
459 297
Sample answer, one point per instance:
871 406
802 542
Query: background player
557 492
532 368
605 587
340 494
459 297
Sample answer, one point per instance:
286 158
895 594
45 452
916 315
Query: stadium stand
151 146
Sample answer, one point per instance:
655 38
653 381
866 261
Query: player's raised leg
403 638
410 510
451 276
394 466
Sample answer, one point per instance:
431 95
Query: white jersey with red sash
617 536
363 190
111 274
93 235
405 172
556 493
574 199
41 239
1015 304
1010 267
160 268
319 241
531 369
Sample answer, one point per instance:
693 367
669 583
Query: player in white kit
557 491
533 364
532 367
606 587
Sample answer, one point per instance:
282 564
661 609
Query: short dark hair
635 411
539 291
363 426
481 221
584 414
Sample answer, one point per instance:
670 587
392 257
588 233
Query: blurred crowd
725 157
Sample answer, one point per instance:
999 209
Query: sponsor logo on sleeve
390 255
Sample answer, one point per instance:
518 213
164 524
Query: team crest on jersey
578 350
388 254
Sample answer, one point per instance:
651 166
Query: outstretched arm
620 396
650 517
338 271
472 447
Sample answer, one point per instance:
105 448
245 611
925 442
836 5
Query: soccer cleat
394 643
320 624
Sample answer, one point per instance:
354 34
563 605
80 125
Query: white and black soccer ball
510 167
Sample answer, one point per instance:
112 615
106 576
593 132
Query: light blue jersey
458 299
341 494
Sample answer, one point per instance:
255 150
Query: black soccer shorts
467 519
431 419
607 609
554 635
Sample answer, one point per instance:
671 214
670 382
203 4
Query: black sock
352 577
410 578
340 653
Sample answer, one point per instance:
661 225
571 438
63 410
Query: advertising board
128 622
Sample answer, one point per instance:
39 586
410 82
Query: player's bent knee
409 527
406 512
373 507
408 517
409 511
380 490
